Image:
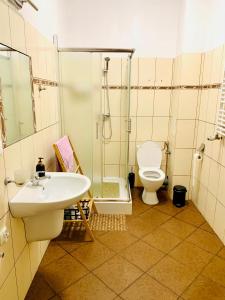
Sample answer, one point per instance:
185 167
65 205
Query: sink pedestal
45 226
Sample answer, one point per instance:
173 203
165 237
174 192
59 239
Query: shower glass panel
103 158
80 101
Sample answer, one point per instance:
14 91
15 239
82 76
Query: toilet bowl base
150 198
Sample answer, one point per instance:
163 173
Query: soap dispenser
40 167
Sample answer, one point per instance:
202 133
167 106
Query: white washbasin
57 192
41 207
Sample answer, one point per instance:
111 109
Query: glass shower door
80 82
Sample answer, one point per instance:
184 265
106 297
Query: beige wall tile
212 105
7 262
3 189
164 67
132 153
217 65
162 103
221 186
132 135
185 133
160 128
115 71
145 103
210 208
144 128
134 71
115 102
17 28
204 175
219 221
111 170
200 133
176 80
4 28
204 95
18 236
207 67
112 153
213 177
222 159
27 156
133 102
188 101
182 162
115 123
23 273
9 288
13 162
190 69
147 71
35 256
202 199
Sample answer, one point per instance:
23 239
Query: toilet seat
151 174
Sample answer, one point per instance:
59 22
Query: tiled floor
167 253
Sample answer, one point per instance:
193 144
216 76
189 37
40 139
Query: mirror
16 99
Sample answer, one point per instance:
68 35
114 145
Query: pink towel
66 152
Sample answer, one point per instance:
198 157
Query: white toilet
149 157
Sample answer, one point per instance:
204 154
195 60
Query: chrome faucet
35 180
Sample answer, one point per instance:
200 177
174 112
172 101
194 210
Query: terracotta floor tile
173 274
162 240
154 217
191 216
178 228
62 272
146 288
39 289
53 252
68 246
207 227
138 227
167 207
221 253
117 273
215 270
146 222
142 255
138 207
93 254
89 287
191 255
117 240
56 297
205 240
204 289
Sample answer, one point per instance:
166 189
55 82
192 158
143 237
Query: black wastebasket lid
179 188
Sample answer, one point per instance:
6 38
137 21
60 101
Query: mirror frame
3 118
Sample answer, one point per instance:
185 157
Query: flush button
4 235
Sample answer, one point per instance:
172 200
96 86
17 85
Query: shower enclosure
95 104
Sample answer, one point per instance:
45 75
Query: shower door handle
96 132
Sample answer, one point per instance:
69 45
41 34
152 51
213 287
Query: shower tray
120 200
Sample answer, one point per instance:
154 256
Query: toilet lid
149 154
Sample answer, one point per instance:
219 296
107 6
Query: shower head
107 59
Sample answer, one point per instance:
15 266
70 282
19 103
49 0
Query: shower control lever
129 126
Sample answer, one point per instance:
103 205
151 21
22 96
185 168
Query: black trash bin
179 193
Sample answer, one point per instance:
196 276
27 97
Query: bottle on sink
40 168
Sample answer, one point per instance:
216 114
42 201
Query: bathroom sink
57 192
42 206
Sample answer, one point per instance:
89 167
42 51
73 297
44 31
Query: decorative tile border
44 82
141 87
